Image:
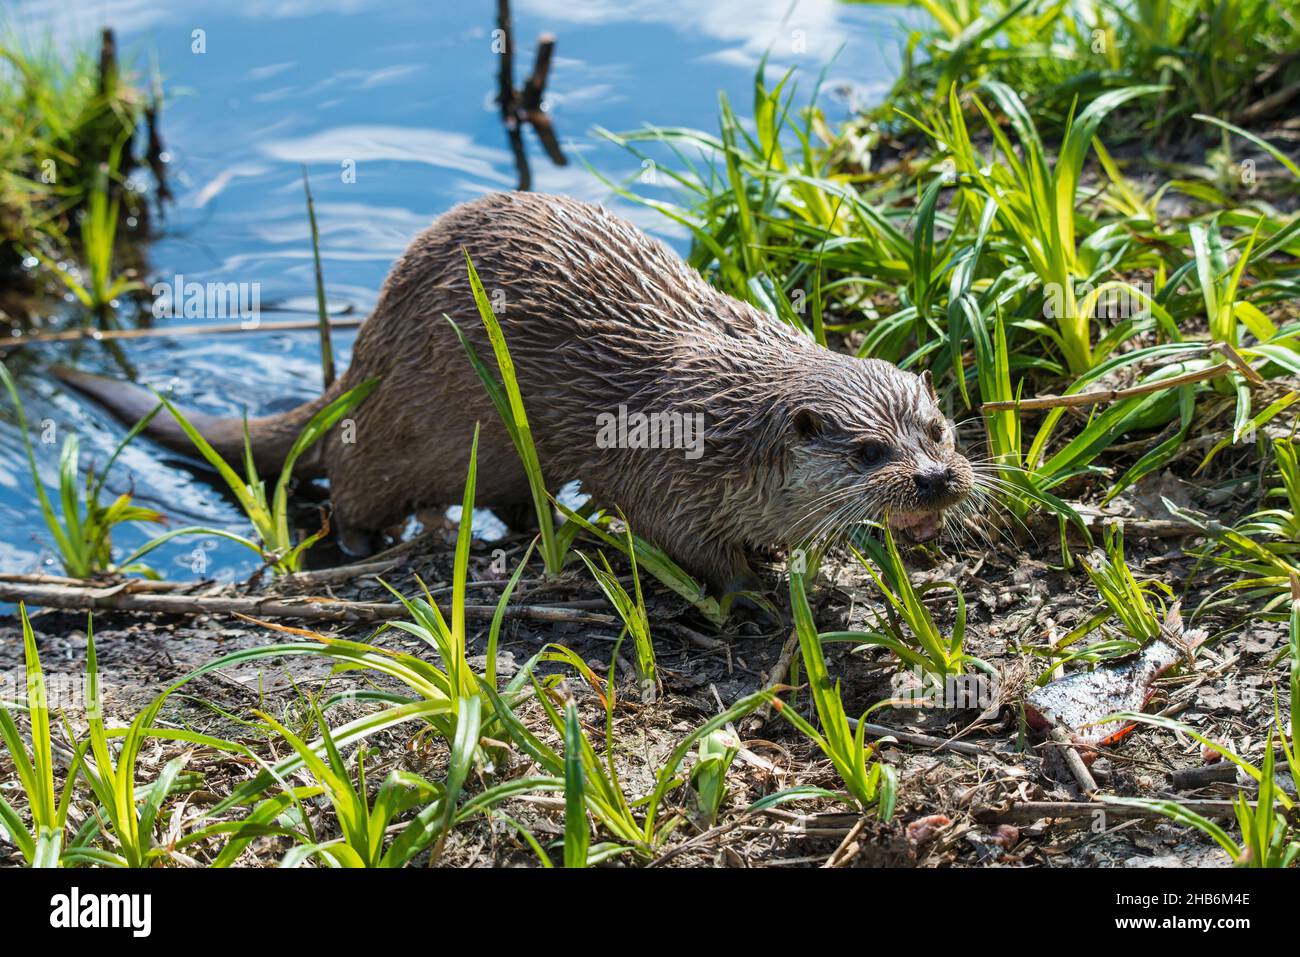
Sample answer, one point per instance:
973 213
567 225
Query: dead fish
1077 701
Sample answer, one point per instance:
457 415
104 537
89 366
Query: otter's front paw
745 599
355 542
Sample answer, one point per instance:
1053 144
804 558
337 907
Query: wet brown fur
597 314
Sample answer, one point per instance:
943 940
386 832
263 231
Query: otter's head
868 441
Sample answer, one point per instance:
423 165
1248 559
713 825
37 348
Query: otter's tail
271 436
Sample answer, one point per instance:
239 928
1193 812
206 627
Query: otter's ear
928 382
807 423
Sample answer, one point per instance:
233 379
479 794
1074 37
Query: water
404 91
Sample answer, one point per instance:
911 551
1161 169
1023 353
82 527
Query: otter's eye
873 453
937 430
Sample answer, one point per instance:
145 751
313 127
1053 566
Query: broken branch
128 597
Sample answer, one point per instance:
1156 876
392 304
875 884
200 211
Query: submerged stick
107 61
520 107
124 597
154 154
531 100
76 335
136 584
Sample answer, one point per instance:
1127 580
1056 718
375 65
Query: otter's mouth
918 526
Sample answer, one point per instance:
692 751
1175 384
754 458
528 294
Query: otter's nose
933 484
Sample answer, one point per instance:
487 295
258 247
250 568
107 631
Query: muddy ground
1020 601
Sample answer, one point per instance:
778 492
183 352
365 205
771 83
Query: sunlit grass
907 628
1263 550
632 610
869 781
1139 605
363 822
60 186
82 526
633 824
1208 52
41 839
509 402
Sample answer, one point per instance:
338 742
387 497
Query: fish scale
1078 701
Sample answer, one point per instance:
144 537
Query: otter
606 325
